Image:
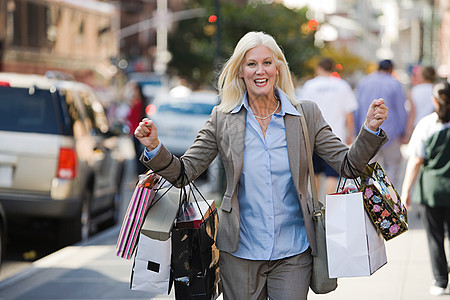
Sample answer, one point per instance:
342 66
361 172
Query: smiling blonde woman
265 234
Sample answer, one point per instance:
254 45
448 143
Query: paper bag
151 268
382 202
195 259
161 216
354 247
193 214
140 201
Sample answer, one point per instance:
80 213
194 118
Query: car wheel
79 227
116 200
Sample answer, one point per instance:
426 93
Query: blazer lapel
295 150
236 131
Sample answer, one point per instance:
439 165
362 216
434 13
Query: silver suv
58 157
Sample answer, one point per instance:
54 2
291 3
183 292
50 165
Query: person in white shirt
421 97
429 165
336 100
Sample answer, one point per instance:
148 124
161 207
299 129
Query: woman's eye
251 64
267 62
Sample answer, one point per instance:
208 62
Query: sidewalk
92 271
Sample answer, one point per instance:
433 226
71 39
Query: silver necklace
263 118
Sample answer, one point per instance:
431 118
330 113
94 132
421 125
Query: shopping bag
382 202
161 216
195 257
151 269
195 213
354 247
143 195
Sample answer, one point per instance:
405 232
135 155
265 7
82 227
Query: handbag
382 202
141 200
320 283
355 247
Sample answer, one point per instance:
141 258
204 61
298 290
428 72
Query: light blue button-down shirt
271 221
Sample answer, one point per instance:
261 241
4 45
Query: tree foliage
193 47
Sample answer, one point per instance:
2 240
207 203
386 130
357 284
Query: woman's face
259 71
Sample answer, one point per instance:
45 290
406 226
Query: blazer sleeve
196 159
348 162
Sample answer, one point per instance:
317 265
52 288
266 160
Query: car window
95 113
28 110
187 108
76 120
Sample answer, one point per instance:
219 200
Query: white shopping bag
354 247
151 268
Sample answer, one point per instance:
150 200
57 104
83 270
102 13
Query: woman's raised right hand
147 134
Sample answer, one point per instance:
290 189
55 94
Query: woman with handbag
429 160
266 233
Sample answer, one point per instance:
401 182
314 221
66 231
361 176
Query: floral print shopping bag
382 202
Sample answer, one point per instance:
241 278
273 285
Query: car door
105 158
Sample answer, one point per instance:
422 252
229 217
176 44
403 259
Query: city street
225 79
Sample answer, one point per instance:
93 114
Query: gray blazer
223 134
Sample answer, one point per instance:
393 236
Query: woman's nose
259 69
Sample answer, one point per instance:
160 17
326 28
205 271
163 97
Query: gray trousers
282 279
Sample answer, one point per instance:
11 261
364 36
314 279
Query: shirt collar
286 105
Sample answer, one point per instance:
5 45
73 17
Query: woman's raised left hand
376 114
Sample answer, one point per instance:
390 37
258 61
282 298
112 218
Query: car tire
116 199
79 227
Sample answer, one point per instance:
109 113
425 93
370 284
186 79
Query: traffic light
212 19
211 28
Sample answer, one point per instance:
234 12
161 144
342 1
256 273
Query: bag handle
317 205
193 188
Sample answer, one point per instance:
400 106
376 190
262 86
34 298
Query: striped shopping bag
140 202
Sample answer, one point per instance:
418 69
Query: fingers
376 114
380 110
144 129
148 125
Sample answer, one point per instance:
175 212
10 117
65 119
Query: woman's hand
376 114
146 134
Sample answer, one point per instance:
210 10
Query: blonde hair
232 87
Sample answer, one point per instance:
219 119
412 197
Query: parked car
150 84
58 156
179 115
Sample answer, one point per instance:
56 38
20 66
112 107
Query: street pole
162 55
217 58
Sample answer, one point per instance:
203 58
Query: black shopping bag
195 259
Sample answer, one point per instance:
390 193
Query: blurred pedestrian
421 97
336 100
429 161
381 84
265 233
135 114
